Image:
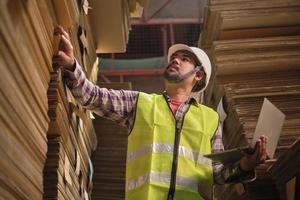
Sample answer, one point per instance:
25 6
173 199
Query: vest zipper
174 164
175 154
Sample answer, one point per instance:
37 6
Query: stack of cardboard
23 103
254 47
111 27
68 169
248 56
110 157
41 136
286 170
46 138
232 19
110 21
71 139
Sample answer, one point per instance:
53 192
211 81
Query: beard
172 76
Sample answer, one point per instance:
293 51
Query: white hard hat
199 53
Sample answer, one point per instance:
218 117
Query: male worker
168 133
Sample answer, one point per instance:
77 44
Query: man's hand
65 56
250 161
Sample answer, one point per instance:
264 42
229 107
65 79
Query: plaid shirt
120 105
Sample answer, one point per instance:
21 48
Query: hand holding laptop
270 122
251 160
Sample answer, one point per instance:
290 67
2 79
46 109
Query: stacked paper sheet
254 47
46 139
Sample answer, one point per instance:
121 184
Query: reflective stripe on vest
162 178
168 148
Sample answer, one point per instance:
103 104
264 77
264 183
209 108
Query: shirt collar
191 99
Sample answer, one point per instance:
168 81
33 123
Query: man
169 133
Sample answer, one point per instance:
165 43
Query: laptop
269 123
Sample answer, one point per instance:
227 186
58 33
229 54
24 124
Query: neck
178 93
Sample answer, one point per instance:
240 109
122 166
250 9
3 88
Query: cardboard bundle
247 71
70 143
287 166
254 48
46 139
232 19
106 17
233 58
110 22
71 131
23 103
110 157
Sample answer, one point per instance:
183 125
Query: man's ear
199 75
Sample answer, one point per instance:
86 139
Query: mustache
173 66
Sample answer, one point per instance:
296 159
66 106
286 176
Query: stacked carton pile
24 121
109 159
45 146
46 138
71 138
254 47
111 36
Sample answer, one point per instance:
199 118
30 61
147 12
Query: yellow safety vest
163 163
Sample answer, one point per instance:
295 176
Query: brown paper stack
46 139
23 100
110 157
71 136
254 47
71 139
287 165
232 19
110 22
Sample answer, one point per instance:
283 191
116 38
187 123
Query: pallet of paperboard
249 63
260 55
23 103
36 116
68 156
110 157
77 150
287 166
111 36
81 136
225 20
243 98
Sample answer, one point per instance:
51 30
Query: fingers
65 55
62 59
262 156
64 36
66 43
264 148
250 161
258 151
59 30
